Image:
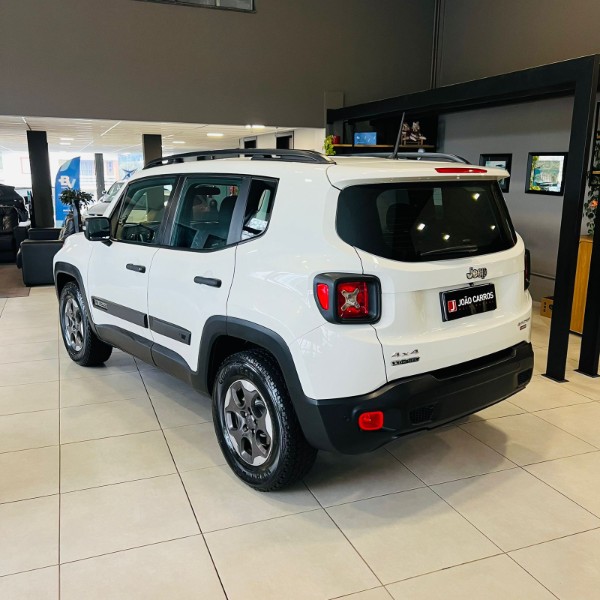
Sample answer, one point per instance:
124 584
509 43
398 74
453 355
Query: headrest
206 190
226 209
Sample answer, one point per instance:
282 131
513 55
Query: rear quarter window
415 222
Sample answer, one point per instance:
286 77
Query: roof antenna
397 146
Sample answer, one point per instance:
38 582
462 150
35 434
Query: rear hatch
450 264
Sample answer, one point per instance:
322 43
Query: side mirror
97 229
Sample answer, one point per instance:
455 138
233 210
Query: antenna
397 146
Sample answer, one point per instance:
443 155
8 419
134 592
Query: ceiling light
175 142
215 134
446 237
258 126
66 139
421 226
65 143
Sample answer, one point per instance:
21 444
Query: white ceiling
120 136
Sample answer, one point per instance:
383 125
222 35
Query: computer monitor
366 138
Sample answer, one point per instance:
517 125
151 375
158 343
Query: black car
9 197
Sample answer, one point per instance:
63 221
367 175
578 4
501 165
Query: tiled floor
112 486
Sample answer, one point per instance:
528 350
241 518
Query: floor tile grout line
115 483
532 576
183 485
352 545
454 509
556 539
522 468
27 571
349 596
121 550
541 419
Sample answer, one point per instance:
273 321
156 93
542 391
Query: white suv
323 305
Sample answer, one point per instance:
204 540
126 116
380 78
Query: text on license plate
465 302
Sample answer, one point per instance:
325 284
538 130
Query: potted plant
75 199
328 146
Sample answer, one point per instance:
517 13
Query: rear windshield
415 222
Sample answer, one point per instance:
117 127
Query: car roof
341 172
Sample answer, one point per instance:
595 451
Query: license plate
465 302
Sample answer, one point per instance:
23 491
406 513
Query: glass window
142 210
204 213
415 222
259 207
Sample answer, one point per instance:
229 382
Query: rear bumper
416 403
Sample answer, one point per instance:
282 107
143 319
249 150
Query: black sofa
9 221
36 254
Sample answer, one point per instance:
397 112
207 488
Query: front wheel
82 344
256 425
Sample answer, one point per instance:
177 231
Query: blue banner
68 176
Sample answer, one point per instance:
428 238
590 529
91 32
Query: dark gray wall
122 59
518 129
483 37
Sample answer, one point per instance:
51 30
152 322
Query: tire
249 396
82 344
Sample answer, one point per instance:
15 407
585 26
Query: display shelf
386 146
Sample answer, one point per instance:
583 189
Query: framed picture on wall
500 161
546 173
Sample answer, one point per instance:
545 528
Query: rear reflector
459 170
323 295
371 421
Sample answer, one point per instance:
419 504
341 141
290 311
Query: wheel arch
223 336
65 272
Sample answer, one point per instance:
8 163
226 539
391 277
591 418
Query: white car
99 208
332 305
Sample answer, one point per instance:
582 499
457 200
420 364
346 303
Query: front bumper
416 403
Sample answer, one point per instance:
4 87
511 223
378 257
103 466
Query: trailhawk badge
477 273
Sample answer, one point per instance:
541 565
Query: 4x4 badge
477 273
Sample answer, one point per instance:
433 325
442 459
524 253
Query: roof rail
305 156
431 156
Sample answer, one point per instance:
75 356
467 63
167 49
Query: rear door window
415 222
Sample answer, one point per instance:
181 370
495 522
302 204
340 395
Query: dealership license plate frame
471 309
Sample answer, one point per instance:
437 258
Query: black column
41 186
100 185
152 145
584 104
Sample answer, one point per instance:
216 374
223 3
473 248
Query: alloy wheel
248 423
72 324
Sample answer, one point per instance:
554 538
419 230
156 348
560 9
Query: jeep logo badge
477 273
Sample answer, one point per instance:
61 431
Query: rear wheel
82 344
256 424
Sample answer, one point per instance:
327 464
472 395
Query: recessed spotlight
174 142
65 143
66 139
446 237
421 226
215 134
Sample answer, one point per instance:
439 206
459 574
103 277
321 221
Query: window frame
116 214
237 218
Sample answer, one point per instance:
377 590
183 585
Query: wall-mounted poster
500 161
546 173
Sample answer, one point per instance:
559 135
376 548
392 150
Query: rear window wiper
467 248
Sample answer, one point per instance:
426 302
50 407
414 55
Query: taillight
352 300
344 298
459 170
527 270
323 295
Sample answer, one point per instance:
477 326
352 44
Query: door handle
210 281
136 268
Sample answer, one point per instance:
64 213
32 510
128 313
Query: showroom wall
124 59
518 129
479 39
